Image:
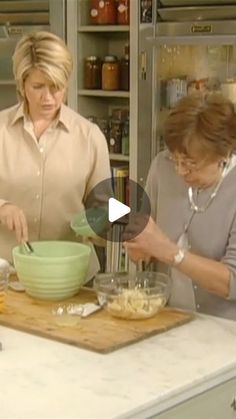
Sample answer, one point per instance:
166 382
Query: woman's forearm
208 273
212 275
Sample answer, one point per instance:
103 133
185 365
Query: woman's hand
150 243
14 219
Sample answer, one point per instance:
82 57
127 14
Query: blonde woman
50 156
191 186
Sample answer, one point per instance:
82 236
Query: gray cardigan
211 234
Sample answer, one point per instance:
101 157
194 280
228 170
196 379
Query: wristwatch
179 257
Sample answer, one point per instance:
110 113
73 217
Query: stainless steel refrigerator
192 48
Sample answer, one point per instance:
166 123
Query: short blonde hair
44 51
206 122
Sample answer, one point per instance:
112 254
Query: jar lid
103 120
110 58
92 58
116 121
91 118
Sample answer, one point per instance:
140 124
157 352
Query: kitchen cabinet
216 403
85 39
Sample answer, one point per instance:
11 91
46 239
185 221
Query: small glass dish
67 314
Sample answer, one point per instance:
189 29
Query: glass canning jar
92 72
107 14
123 12
110 73
93 11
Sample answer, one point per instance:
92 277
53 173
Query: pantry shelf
103 28
119 157
103 93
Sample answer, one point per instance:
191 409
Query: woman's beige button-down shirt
49 179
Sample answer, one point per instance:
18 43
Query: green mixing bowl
55 271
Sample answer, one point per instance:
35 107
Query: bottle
123 12
124 70
110 73
92 72
125 138
115 143
104 126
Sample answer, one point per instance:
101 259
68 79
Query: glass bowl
135 298
67 314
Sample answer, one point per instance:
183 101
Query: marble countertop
43 379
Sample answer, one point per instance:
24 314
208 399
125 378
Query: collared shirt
49 178
211 234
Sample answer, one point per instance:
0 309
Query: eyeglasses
186 163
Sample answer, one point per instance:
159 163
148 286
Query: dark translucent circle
94 221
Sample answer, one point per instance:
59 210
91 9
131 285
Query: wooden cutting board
99 332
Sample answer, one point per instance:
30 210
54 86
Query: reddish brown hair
206 123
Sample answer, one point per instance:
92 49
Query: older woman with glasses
191 186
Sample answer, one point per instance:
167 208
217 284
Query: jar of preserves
110 73
92 72
93 11
123 12
107 13
124 70
115 143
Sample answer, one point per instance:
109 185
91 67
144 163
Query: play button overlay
116 209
